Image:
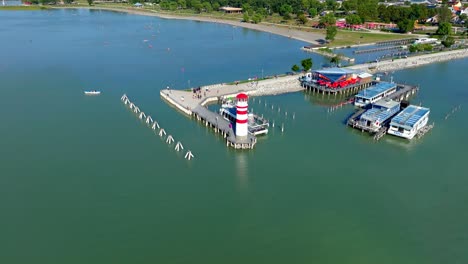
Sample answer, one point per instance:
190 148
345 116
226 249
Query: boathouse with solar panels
374 93
409 121
376 118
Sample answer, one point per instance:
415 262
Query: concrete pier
191 104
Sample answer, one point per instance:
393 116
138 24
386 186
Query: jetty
377 49
325 53
193 103
411 62
396 42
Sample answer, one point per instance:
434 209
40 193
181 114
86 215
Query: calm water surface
83 181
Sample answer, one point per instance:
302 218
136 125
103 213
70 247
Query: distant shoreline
412 62
309 37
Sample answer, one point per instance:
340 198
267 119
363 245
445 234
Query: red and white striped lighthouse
241 115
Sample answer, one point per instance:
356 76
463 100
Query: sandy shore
308 37
411 62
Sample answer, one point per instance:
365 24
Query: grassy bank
24 8
348 38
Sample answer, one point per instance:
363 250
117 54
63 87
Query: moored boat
93 92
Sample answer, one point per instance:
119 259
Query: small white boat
93 92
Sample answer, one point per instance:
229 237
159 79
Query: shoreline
411 62
308 37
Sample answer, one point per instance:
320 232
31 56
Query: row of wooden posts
154 125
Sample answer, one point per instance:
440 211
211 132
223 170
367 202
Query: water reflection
241 167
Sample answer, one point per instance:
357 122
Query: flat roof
386 103
382 112
336 71
375 90
409 116
228 8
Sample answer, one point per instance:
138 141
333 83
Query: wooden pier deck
348 90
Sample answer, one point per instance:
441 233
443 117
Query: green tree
285 11
306 64
313 12
302 18
182 4
350 5
257 18
90 2
332 5
196 5
445 15
367 9
444 29
295 68
448 42
336 59
215 6
245 17
406 25
331 33
207 7
246 8
353 19
305 4
172 6
68 1
327 20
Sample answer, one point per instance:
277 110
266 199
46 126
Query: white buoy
273 123
189 155
294 115
279 109
179 146
162 132
282 127
271 107
286 113
169 139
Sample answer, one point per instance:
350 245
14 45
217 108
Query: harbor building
377 117
409 122
374 93
336 81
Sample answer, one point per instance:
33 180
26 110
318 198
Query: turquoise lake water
84 181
